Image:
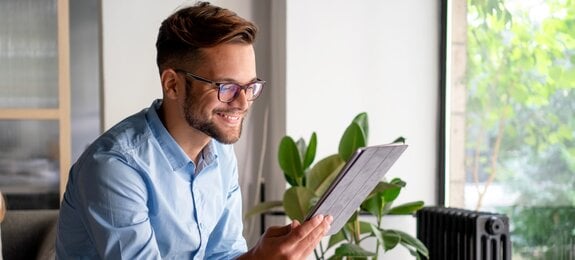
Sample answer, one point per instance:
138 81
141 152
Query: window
34 108
47 116
511 117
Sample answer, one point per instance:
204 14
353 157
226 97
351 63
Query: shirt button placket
198 202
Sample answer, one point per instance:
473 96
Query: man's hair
203 25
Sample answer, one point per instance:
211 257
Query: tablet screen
362 172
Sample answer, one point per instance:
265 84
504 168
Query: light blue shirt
134 194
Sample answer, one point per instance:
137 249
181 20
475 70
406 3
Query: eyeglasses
228 91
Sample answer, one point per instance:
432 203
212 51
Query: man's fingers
311 230
278 231
295 223
294 241
313 238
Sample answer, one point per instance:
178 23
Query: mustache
232 111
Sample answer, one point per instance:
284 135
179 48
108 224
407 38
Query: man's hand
293 241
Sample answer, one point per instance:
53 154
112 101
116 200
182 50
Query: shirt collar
174 153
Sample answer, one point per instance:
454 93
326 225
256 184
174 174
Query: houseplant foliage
307 183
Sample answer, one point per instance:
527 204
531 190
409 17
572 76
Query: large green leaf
335 257
353 138
297 202
336 238
364 227
374 205
406 208
363 122
410 241
352 250
387 238
390 240
289 179
388 190
391 194
398 181
383 186
380 198
309 155
263 207
289 159
321 175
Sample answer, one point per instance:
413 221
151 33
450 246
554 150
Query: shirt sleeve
115 208
226 240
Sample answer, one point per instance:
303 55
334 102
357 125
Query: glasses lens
228 92
254 90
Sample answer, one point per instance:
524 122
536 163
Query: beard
208 127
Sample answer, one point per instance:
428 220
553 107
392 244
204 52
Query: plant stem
377 240
322 250
357 230
315 253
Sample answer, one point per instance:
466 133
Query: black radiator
452 233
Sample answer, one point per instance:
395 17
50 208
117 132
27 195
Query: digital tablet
359 176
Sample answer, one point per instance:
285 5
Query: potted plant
307 183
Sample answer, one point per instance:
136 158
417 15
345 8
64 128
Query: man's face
232 62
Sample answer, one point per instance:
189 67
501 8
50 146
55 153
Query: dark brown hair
203 25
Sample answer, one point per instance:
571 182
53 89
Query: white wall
376 56
130 75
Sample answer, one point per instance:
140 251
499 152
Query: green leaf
352 139
297 202
290 180
406 208
289 159
391 194
321 175
352 250
263 207
383 186
382 195
363 122
390 239
398 181
310 151
335 257
400 139
364 227
336 238
409 241
374 205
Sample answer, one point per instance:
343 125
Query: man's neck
191 140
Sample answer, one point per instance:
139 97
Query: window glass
512 118
29 171
28 54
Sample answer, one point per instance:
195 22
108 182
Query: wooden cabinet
35 135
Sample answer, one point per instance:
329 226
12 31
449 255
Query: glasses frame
220 86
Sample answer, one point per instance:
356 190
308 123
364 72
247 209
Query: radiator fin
453 233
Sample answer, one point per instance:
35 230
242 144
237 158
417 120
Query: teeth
230 117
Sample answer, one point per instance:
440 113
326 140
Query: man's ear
170 80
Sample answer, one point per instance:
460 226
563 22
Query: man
163 183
